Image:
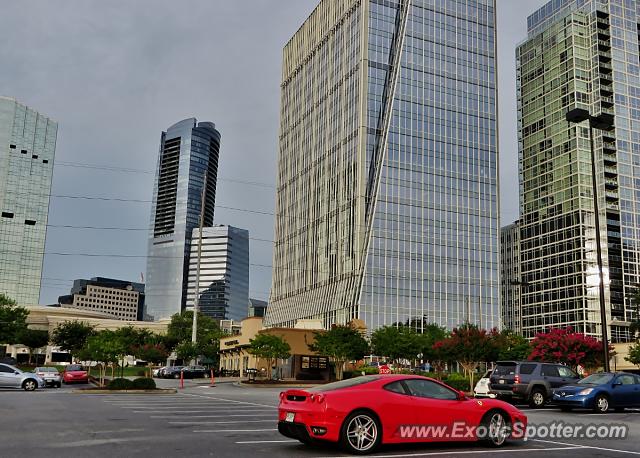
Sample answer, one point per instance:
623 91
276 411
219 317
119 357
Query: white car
482 387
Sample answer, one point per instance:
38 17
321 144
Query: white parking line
629 452
232 431
216 416
219 422
230 400
454 452
267 442
177 406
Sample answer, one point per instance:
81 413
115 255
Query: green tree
13 320
106 348
181 326
72 336
396 342
431 334
154 353
634 354
131 337
271 348
187 350
510 345
33 339
340 344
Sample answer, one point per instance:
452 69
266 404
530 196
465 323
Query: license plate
501 382
290 417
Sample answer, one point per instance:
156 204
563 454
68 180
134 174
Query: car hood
574 388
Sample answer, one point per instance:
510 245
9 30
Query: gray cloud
115 73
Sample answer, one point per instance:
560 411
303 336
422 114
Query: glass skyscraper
579 54
27 150
188 150
224 272
387 199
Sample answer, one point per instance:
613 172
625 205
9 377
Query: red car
364 412
74 373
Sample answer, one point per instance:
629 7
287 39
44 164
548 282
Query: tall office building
510 277
387 199
27 150
224 272
188 149
579 54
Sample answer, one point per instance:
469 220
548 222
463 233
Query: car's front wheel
29 385
496 428
537 398
361 433
602 404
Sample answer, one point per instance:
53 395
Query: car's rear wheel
29 385
537 398
602 404
497 428
361 433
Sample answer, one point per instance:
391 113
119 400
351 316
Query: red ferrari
364 412
74 373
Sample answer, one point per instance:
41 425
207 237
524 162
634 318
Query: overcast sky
115 73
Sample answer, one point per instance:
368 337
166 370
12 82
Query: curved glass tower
188 149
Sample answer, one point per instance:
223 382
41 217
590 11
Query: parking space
228 421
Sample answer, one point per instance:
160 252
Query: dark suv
529 381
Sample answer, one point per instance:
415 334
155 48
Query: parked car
159 372
12 377
195 372
172 372
50 375
481 389
365 412
600 392
75 373
529 381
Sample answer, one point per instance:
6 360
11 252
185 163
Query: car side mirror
462 396
16 372
617 384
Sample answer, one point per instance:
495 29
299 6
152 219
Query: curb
96 391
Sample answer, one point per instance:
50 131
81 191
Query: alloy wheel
497 429
362 433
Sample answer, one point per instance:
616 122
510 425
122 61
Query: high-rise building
123 300
257 307
188 150
224 272
27 150
510 277
579 54
387 197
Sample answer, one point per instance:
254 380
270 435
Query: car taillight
281 395
317 398
517 379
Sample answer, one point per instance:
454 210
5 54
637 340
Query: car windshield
506 369
596 379
74 367
46 369
345 383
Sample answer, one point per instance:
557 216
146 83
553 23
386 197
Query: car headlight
585 392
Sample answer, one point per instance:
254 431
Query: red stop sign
384 369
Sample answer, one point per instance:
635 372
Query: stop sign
384 369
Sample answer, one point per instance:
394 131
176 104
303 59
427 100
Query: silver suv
12 377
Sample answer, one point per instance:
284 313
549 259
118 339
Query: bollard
213 379
181 379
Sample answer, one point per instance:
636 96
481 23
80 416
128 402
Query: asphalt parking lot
230 421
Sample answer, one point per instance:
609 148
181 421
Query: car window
549 370
74 367
396 387
6 369
527 369
428 389
637 379
626 379
345 383
596 379
566 372
507 369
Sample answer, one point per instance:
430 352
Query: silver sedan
12 377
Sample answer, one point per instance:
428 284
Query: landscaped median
124 385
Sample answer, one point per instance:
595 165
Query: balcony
610 172
611 184
606 101
611 195
605 67
604 45
604 56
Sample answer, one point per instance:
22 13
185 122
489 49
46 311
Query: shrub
141 373
457 383
144 384
120 384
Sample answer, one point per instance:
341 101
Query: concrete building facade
27 152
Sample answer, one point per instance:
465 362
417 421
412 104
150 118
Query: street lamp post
602 122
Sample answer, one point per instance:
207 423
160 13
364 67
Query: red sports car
363 412
74 373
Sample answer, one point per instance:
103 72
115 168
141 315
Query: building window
12 146
29 222
7 215
23 151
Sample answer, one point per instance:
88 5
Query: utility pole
194 331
